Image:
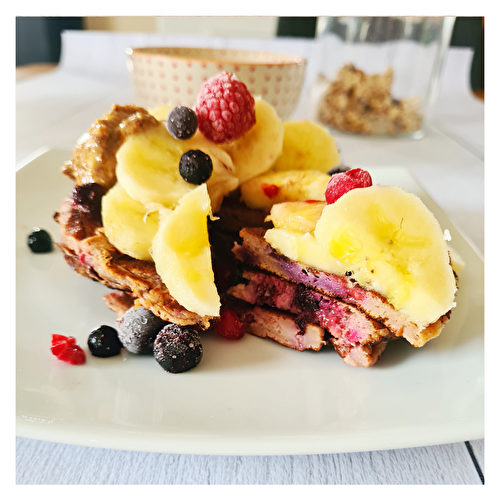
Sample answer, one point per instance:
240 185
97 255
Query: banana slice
127 223
148 168
303 248
161 112
223 179
182 256
300 216
256 151
307 146
391 243
262 192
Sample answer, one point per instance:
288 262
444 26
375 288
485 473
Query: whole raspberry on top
225 108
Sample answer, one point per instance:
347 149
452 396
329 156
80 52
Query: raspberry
230 326
66 349
225 108
340 184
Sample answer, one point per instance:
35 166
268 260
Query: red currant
66 349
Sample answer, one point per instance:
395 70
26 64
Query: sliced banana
223 179
303 248
148 168
392 244
256 151
300 216
307 146
161 112
182 256
127 223
262 192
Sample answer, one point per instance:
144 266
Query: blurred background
38 39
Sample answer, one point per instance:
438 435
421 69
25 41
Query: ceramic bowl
174 75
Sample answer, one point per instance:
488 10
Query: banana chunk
300 216
255 152
182 256
391 243
264 191
307 146
303 248
127 223
148 168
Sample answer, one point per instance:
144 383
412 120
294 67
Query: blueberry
178 348
137 330
182 122
103 342
195 167
338 170
40 241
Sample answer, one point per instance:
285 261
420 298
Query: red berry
270 190
66 349
225 108
230 326
340 184
73 354
60 342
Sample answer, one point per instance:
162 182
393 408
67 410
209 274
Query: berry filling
88 197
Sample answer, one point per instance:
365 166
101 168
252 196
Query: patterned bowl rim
275 58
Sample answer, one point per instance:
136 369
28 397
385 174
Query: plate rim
27 428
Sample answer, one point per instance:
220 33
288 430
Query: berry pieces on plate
40 241
137 330
103 342
178 348
67 350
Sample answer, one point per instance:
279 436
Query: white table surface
54 109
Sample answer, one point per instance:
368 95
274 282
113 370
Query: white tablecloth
54 109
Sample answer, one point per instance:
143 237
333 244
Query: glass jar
379 75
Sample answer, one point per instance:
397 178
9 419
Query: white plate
247 397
